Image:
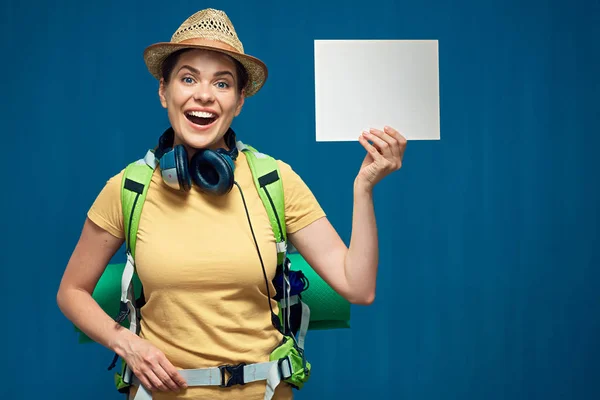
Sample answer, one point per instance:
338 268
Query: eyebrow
221 73
197 72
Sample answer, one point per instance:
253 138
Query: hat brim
155 55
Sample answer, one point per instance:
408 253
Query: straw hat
208 29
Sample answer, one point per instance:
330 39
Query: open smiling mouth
201 118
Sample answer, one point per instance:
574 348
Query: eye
222 85
187 80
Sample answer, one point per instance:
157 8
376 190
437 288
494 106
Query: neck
193 150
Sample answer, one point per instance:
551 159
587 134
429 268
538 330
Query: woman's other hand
148 363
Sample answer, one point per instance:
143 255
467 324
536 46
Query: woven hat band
209 43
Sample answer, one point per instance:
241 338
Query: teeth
202 114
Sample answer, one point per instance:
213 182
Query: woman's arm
87 263
92 253
352 271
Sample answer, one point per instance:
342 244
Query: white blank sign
362 84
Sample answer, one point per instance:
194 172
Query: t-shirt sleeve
301 206
106 209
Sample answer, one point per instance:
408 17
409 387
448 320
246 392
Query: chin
203 140
198 141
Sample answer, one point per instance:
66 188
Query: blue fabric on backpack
298 284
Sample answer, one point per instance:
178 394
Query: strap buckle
123 313
236 375
284 374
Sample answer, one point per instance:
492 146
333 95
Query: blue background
489 238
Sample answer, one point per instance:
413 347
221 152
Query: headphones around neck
210 170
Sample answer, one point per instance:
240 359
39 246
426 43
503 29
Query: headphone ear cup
174 169
212 171
181 163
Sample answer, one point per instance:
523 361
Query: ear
161 93
240 104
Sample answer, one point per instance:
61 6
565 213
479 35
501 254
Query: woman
206 299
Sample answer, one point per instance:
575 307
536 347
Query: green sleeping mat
328 310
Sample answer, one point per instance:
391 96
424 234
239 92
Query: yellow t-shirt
206 299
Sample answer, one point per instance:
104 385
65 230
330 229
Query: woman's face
201 99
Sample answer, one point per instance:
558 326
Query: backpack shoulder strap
134 188
267 179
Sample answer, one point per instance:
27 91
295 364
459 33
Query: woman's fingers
151 381
153 369
371 149
171 376
382 145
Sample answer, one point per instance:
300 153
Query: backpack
305 301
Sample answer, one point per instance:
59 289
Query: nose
204 93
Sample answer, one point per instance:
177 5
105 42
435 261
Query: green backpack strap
134 188
268 182
265 173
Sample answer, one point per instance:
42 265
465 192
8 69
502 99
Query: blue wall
489 263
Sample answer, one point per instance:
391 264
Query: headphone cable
257 249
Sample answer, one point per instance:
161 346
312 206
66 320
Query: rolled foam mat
328 310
